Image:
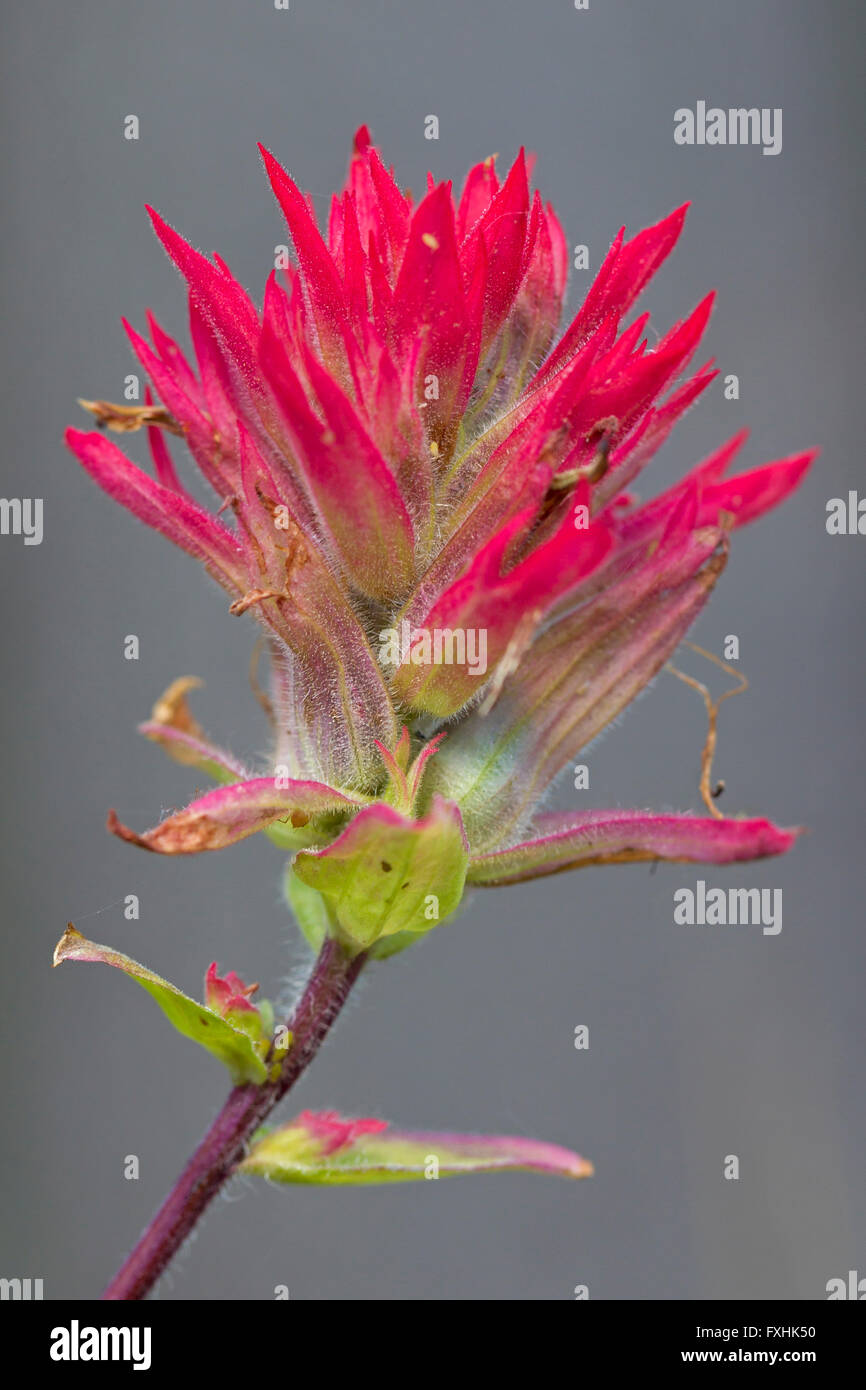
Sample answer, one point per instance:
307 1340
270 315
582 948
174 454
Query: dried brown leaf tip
126 418
172 710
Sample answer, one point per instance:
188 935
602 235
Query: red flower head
424 502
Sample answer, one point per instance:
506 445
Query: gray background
703 1042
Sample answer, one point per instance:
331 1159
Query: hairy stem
225 1142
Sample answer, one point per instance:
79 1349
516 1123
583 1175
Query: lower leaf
325 1148
241 1045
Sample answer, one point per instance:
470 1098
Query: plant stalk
247 1106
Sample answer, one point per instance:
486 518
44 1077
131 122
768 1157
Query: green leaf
326 1149
388 873
235 1047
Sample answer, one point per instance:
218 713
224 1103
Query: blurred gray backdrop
703 1043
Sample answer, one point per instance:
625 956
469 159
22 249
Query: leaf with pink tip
240 1048
229 814
326 1149
567 840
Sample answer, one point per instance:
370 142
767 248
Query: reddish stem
225 1142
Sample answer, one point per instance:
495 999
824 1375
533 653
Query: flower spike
426 502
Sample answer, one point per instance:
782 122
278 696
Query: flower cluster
397 443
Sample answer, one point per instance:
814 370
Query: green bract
385 875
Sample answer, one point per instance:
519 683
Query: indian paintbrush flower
399 448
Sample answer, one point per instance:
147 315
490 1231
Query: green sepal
389 874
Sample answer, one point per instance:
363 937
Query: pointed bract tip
172 241
69 937
675 219
270 161
123 832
